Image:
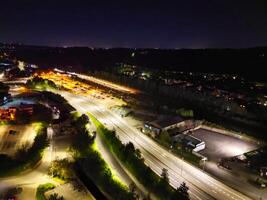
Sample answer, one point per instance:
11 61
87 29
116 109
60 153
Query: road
118 170
29 181
14 80
108 84
202 185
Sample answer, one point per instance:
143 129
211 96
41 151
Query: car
11 198
12 132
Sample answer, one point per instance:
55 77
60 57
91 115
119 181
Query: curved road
30 180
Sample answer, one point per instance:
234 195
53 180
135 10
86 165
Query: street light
50 137
182 166
204 162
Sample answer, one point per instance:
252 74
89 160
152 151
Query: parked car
12 132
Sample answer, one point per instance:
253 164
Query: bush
40 83
41 189
185 112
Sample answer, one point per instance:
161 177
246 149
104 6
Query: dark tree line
134 161
248 62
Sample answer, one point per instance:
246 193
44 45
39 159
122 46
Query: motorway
202 185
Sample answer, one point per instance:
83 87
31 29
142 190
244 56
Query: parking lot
13 136
220 146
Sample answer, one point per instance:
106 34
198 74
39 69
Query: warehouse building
163 124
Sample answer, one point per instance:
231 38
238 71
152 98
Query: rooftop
192 140
166 121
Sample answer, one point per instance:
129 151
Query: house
163 124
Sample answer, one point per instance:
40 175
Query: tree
138 153
165 138
185 112
3 88
129 148
164 175
22 152
55 196
62 169
133 190
77 185
182 191
147 197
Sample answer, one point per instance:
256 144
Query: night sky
156 24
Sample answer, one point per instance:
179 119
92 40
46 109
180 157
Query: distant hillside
250 62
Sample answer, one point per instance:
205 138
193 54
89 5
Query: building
194 143
8 114
11 113
182 129
190 142
164 124
26 109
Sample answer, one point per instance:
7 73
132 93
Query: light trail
201 184
108 84
102 82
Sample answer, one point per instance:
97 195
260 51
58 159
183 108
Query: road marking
210 182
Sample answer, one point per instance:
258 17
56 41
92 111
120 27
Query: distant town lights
21 65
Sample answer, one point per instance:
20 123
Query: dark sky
157 24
